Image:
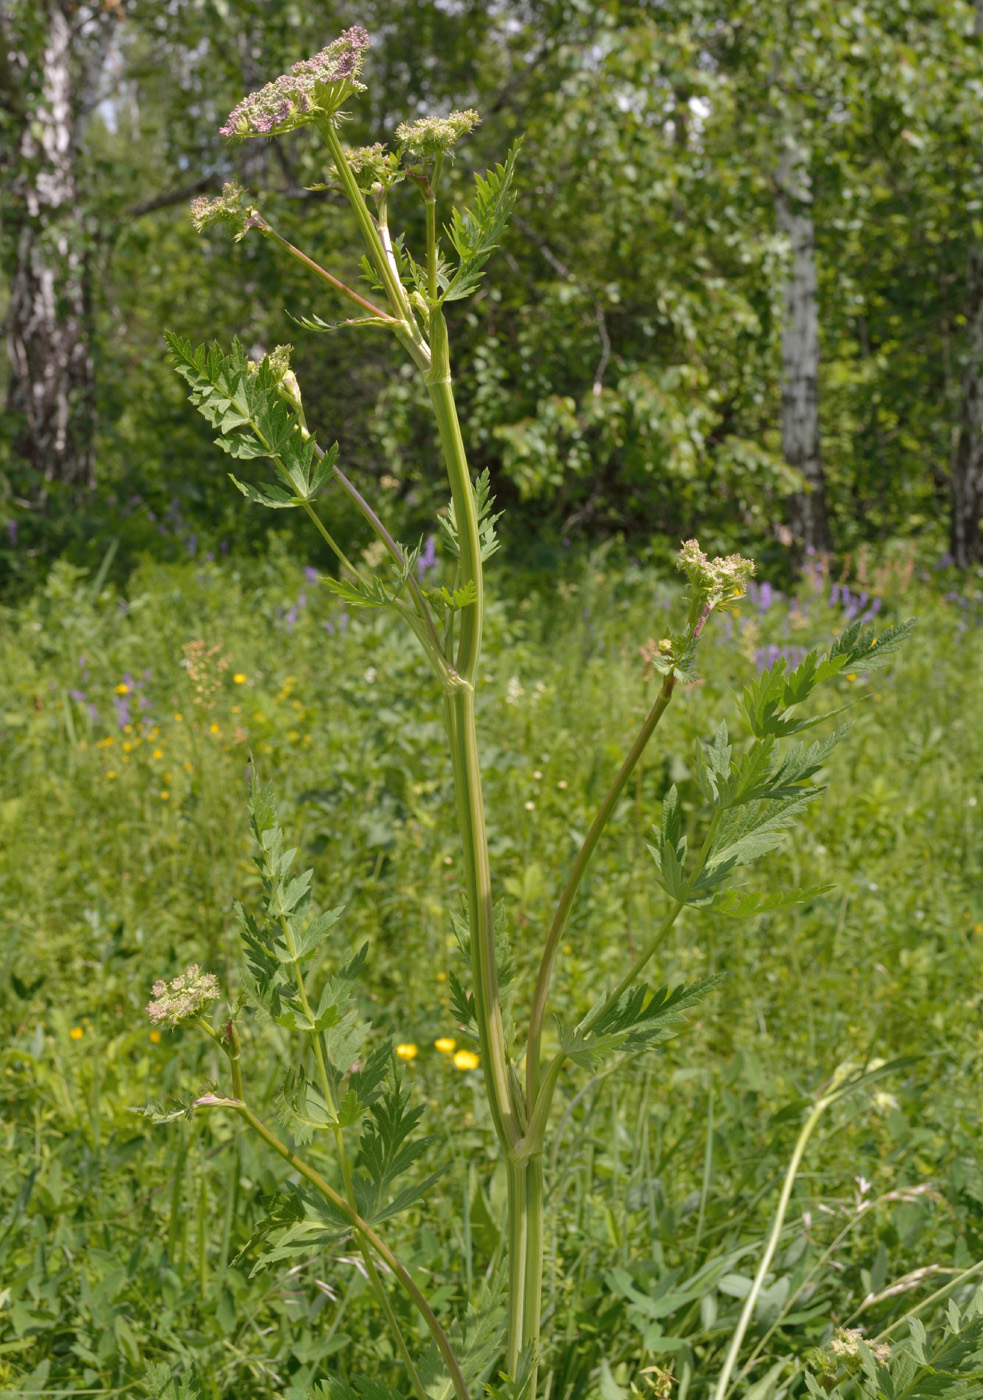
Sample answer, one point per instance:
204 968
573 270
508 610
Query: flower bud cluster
844 1344
185 996
315 87
716 581
431 136
225 208
375 165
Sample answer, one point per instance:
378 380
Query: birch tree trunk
808 519
50 389
965 534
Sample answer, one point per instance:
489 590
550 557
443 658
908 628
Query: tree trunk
965 534
966 538
808 518
50 390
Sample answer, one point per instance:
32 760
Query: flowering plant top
314 87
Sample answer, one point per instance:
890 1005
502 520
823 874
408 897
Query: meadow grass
128 723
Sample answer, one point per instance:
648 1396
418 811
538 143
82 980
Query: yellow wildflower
122 688
158 753
445 1044
466 1059
406 1052
76 1032
164 796
179 718
213 728
239 678
111 773
155 1037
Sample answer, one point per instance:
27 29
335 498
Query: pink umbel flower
315 87
185 996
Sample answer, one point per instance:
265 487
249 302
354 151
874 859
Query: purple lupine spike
428 558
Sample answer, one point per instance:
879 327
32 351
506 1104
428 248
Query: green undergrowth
127 725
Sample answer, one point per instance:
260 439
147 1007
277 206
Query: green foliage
102 1247
949 1363
232 395
487 519
475 234
637 1020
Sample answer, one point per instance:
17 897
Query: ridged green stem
584 856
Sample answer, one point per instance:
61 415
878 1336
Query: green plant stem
441 393
460 723
393 548
406 328
326 276
584 856
360 1226
733 1350
335 548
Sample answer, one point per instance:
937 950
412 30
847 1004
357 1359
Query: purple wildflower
765 657
427 559
78 696
12 532
310 574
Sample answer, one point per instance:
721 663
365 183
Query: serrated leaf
156 1112
483 500
639 1019
745 906
475 1340
475 233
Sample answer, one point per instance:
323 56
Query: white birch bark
801 444
49 393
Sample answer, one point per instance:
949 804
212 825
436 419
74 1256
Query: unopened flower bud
226 208
430 136
716 582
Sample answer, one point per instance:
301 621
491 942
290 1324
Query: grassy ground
126 727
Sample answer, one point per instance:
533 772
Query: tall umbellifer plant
345 1086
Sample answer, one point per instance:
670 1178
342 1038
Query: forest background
743 293
741 298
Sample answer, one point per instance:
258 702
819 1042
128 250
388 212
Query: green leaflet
744 906
156 1112
162 1385
361 1388
476 1342
484 501
475 233
253 420
388 1149
921 1367
639 1019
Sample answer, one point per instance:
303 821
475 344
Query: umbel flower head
185 996
226 208
716 581
315 87
430 136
